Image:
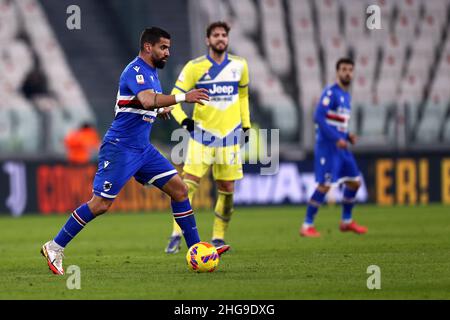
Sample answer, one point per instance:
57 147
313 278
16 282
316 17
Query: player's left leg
350 175
183 214
227 168
115 167
223 210
195 167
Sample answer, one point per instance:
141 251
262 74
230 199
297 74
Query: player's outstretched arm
151 100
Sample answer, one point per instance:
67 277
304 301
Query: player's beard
159 63
346 81
219 51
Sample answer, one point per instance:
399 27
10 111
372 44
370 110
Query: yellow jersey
227 84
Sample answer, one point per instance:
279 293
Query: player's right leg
323 166
115 168
53 250
316 200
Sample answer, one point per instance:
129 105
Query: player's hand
352 138
245 136
199 96
164 112
188 124
341 144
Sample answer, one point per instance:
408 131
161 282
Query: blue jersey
332 115
132 124
126 150
331 164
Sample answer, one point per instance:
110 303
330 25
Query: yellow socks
192 187
223 212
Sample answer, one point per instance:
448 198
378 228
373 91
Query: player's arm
244 102
151 100
328 131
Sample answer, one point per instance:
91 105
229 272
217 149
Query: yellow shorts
226 161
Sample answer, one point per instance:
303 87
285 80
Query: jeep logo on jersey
221 89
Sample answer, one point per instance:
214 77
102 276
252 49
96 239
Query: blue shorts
334 165
117 164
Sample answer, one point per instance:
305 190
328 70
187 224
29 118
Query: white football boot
54 255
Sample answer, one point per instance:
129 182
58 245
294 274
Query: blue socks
184 216
313 206
348 201
79 218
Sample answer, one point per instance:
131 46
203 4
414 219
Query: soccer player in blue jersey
126 150
333 162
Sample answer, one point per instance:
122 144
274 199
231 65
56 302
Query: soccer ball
202 257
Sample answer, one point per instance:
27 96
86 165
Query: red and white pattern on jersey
339 119
131 104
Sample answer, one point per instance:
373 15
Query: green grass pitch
121 257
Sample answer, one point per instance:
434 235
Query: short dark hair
217 24
344 61
153 35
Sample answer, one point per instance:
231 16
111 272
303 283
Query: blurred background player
126 150
82 144
215 127
333 162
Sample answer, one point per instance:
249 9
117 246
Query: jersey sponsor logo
136 68
151 77
105 164
221 89
140 79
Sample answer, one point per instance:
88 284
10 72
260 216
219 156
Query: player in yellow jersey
217 128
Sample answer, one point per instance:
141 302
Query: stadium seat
406 27
365 55
274 37
301 22
430 125
362 89
431 29
26 132
9 22
373 126
334 48
411 8
17 63
438 9
446 131
411 88
387 8
246 16
355 21
386 91
327 7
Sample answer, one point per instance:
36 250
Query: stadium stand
400 91
402 71
40 97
